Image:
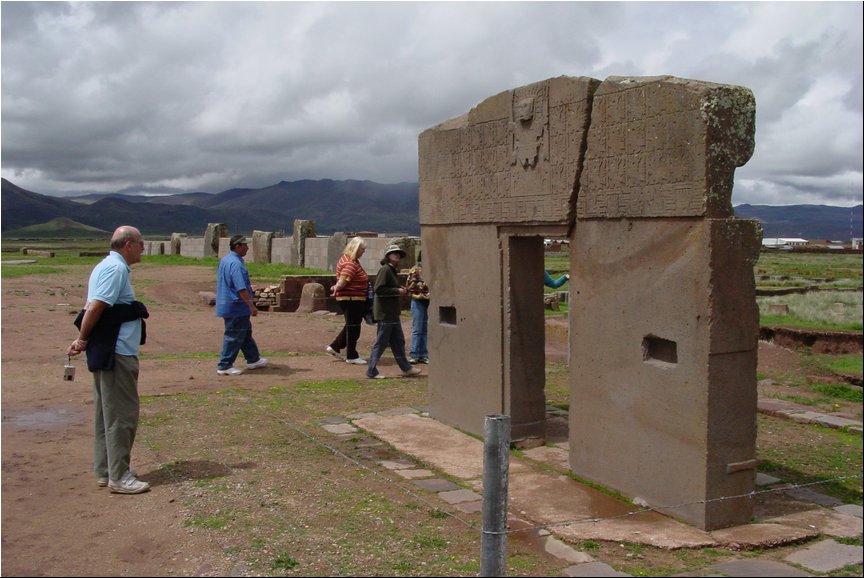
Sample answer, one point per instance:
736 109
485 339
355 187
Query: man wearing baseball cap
234 304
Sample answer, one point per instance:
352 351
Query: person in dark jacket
115 379
386 308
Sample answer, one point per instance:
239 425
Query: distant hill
809 222
348 206
333 205
59 228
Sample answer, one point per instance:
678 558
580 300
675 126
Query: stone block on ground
827 556
312 298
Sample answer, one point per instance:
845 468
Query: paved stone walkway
543 498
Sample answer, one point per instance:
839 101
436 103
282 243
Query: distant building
783 242
857 243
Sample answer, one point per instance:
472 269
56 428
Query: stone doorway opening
524 319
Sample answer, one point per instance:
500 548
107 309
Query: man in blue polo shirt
112 340
234 304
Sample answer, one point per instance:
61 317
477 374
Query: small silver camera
68 372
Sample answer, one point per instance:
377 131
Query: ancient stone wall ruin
637 174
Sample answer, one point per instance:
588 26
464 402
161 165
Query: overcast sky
206 96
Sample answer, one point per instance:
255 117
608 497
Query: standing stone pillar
663 322
176 242
214 232
262 246
302 229
335 245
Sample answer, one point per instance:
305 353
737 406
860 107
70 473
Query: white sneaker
128 485
260 363
334 353
229 371
358 361
412 371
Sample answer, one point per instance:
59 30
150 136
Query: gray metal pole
496 468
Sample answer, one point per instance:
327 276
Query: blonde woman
350 291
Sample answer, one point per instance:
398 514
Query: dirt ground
55 521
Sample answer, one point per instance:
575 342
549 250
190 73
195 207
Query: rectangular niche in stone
659 351
447 315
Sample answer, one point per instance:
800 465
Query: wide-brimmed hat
394 249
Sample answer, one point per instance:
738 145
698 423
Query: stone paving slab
788 410
340 428
827 556
468 507
851 509
831 421
815 497
828 522
459 496
398 411
436 485
766 480
361 415
332 420
559 549
440 446
566 500
751 536
556 457
592 569
415 474
754 567
396 464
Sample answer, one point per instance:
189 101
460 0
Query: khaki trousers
116 406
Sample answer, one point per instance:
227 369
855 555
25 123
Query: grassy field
66 253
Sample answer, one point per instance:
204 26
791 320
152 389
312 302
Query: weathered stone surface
262 246
827 556
636 174
459 496
665 147
757 568
313 298
516 157
207 297
212 234
752 536
827 522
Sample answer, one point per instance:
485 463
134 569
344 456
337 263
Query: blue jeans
419 328
389 335
238 337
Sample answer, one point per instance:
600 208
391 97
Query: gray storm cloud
205 96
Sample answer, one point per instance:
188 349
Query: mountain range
347 206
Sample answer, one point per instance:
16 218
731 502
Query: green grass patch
331 386
806 453
846 268
835 391
850 364
822 310
215 522
284 561
14 271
